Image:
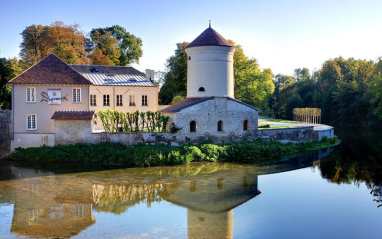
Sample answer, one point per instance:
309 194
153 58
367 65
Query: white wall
25 140
210 67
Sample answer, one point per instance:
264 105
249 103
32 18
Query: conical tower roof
210 37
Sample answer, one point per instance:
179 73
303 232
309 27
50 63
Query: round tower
210 66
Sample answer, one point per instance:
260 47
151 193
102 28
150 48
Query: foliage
117 45
150 155
347 91
66 41
115 121
177 99
175 78
252 86
9 68
174 128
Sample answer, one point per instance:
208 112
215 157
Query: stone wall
207 115
79 131
74 131
5 131
286 135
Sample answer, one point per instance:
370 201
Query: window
119 100
245 125
33 215
193 126
31 94
31 122
144 100
106 100
76 95
79 211
189 57
220 126
132 100
202 89
93 100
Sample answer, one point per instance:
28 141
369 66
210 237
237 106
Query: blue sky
281 35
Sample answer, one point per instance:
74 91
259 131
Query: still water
332 193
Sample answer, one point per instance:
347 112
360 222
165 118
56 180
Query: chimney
150 75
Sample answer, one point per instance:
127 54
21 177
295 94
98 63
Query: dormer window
202 89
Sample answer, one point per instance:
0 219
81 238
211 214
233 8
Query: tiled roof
185 103
113 75
50 70
196 100
73 115
209 37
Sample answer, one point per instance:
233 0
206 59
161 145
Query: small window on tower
202 89
189 58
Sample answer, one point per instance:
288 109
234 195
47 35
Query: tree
295 101
106 49
301 74
128 45
252 86
375 88
98 58
175 78
66 41
9 68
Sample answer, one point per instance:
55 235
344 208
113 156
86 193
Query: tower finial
210 23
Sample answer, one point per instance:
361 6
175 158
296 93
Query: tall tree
128 45
9 68
175 78
252 85
66 41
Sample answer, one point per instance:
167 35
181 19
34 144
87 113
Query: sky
282 35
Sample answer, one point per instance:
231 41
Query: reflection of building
38 213
210 200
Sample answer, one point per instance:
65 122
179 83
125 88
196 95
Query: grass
278 127
279 120
161 155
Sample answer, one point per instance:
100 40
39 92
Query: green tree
9 68
301 74
175 78
252 85
129 45
375 88
295 101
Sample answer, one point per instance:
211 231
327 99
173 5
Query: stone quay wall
5 131
79 131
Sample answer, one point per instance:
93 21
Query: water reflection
50 204
357 160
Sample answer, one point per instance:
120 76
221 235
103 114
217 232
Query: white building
52 85
210 108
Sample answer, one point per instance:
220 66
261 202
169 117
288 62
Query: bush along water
115 121
160 155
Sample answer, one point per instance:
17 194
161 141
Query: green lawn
279 120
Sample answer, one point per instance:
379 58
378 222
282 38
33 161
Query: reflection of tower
209 225
210 200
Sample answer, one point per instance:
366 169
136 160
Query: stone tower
210 66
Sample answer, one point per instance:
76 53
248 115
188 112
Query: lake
332 193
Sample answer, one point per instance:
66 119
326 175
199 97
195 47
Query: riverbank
161 155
